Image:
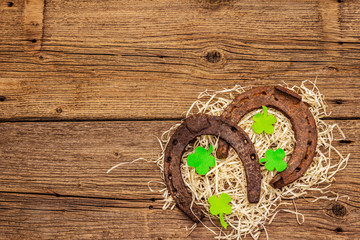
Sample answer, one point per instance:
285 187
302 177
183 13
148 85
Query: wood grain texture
33 24
71 158
91 218
54 179
100 61
76 76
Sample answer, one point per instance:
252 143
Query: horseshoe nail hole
275 98
175 190
10 4
252 156
280 181
306 156
33 40
309 143
2 98
245 141
168 159
297 169
170 176
151 207
263 93
175 141
233 129
339 230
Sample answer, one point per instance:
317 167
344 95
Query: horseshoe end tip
223 150
254 196
197 215
255 200
221 154
277 182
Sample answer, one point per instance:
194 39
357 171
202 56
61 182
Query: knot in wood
59 110
338 210
339 101
213 56
215 4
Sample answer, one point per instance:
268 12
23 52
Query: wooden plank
99 61
75 156
11 26
103 98
143 96
91 218
71 158
33 24
124 60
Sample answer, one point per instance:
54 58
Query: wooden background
87 84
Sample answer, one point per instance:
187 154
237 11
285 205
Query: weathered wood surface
54 179
43 216
71 158
122 61
101 61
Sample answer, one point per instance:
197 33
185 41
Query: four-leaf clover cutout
274 160
263 122
219 206
201 160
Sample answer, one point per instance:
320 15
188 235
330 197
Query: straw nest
228 175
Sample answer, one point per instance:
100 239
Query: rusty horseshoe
203 124
303 124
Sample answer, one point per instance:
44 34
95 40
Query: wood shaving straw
228 175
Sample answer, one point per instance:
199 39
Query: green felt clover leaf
263 122
220 206
274 160
201 160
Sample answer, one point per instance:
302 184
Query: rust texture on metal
303 124
202 124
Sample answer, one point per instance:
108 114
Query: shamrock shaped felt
201 160
220 206
263 122
274 160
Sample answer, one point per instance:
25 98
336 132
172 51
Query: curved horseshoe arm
303 124
202 124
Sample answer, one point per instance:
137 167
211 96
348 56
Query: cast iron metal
303 124
202 124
